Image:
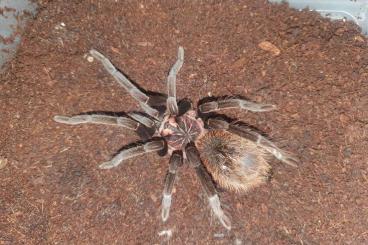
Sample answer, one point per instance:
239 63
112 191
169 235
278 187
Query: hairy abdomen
235 163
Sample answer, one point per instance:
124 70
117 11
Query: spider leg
176 161
142 119
172 105
260 140
134 151
223 104
207 184
125 122
137 94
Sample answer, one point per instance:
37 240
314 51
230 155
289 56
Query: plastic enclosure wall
354 10
10 24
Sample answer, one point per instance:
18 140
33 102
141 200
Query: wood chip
359 39
3 162
239 63
145 44
269 47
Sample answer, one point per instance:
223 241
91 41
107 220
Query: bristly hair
235 163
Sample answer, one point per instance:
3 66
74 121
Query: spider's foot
285 157
166 204
289 160
216 208
71 120
267 107
107 165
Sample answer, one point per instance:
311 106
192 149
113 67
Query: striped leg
172 105
207 184
138 95
255 137
125 122
224 104
134 151
176 161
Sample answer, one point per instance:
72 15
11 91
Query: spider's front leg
136 93
140 122
125 122
176 160
171 103
207 184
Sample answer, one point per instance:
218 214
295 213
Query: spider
230 154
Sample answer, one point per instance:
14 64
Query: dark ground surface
51 190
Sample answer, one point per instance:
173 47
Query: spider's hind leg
176 161
234 103
257 138
151 146
208 185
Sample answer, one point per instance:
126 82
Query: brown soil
51 190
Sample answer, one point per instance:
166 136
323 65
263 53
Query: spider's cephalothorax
233 155
179 131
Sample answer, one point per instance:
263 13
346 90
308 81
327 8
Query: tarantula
230 154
